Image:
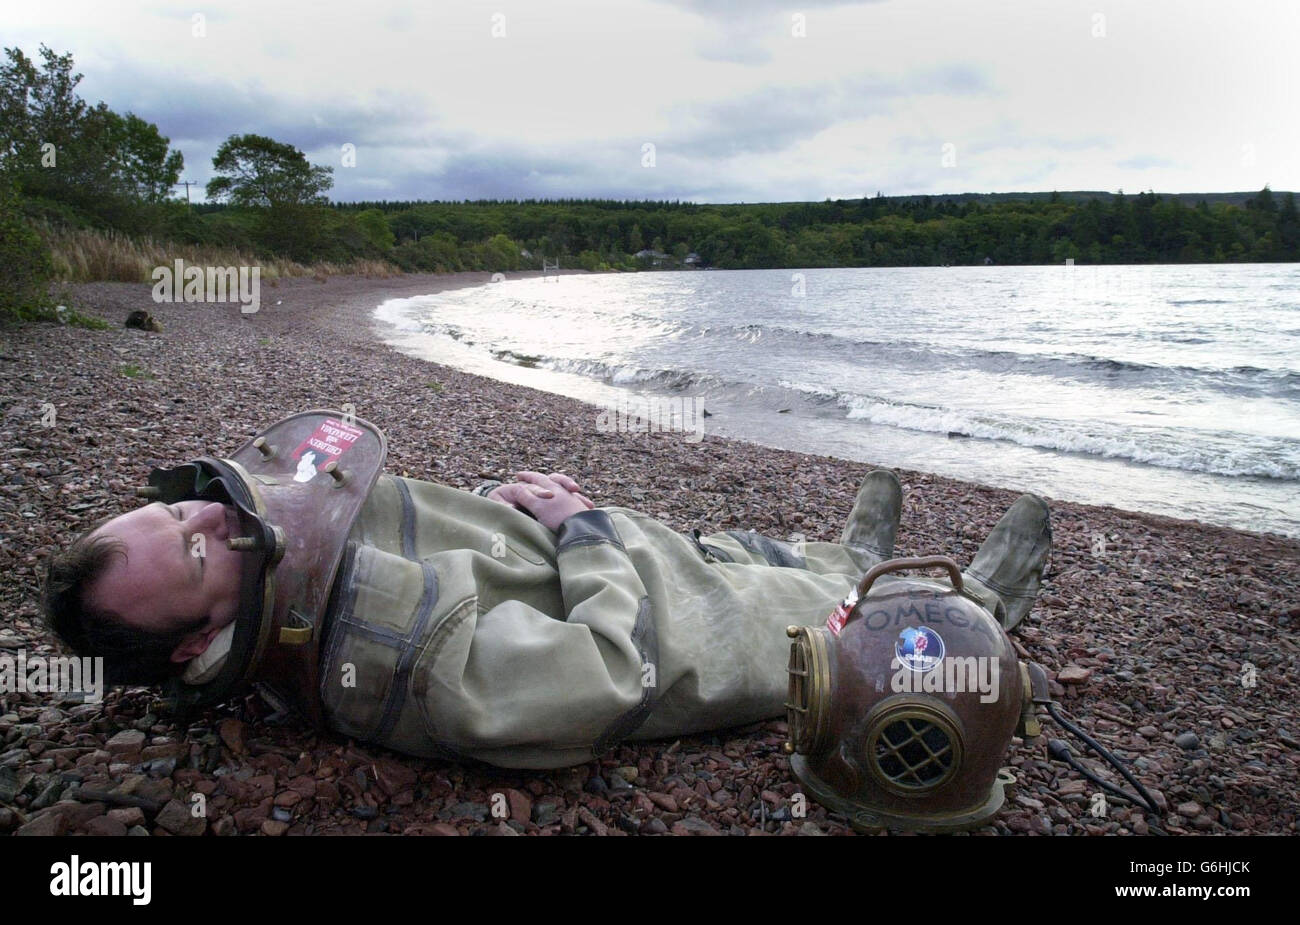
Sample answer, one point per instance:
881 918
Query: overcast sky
742 101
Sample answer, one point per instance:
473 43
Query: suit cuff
587 528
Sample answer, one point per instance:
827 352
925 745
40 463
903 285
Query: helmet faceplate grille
914 753
913 748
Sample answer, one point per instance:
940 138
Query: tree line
64 162
876 231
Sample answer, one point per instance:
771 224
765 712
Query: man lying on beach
518 624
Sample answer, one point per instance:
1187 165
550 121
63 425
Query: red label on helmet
840 615
329 441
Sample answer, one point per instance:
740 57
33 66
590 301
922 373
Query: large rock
127 815
232 733
141 320
126 742
393 776
250 818
45 824
176 818
105 825
693 825
521 805
74 813
9 787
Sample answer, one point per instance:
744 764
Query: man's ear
194 645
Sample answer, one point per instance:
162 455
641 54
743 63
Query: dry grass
83 255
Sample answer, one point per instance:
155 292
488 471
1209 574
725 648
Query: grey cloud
778 117
740 8
734 50
197 115
1005 140
1016 140
212 110
397 139
484 173
739 40
1145 162
611 171
757 123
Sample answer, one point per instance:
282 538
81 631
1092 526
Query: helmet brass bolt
242 542
338 475
792 631
147 491
788 748
267 451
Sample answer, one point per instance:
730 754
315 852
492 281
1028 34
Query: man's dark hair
131 655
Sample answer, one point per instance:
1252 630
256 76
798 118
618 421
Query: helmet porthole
913 748
807 703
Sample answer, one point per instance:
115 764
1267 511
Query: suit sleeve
540 692
485 488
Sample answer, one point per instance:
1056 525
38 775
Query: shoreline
1160 616
470 283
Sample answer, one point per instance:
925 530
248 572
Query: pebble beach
1169 641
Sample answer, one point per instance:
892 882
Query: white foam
402 314
1254 457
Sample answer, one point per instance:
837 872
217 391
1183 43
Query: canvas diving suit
460 624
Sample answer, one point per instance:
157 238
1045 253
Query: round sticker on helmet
919 648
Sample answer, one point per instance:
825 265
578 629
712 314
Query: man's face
164 583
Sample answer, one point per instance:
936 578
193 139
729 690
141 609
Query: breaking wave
1208 452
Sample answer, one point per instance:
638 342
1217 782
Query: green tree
36 107
56 147
1263 201
590 260
500 253
374 226
1288 227
25 266
253 170
51 143
146 166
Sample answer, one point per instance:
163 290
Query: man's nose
211 518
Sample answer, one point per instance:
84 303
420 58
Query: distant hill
879 231
1187 199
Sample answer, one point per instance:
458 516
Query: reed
87 255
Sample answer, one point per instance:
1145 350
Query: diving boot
1005 574
873 522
